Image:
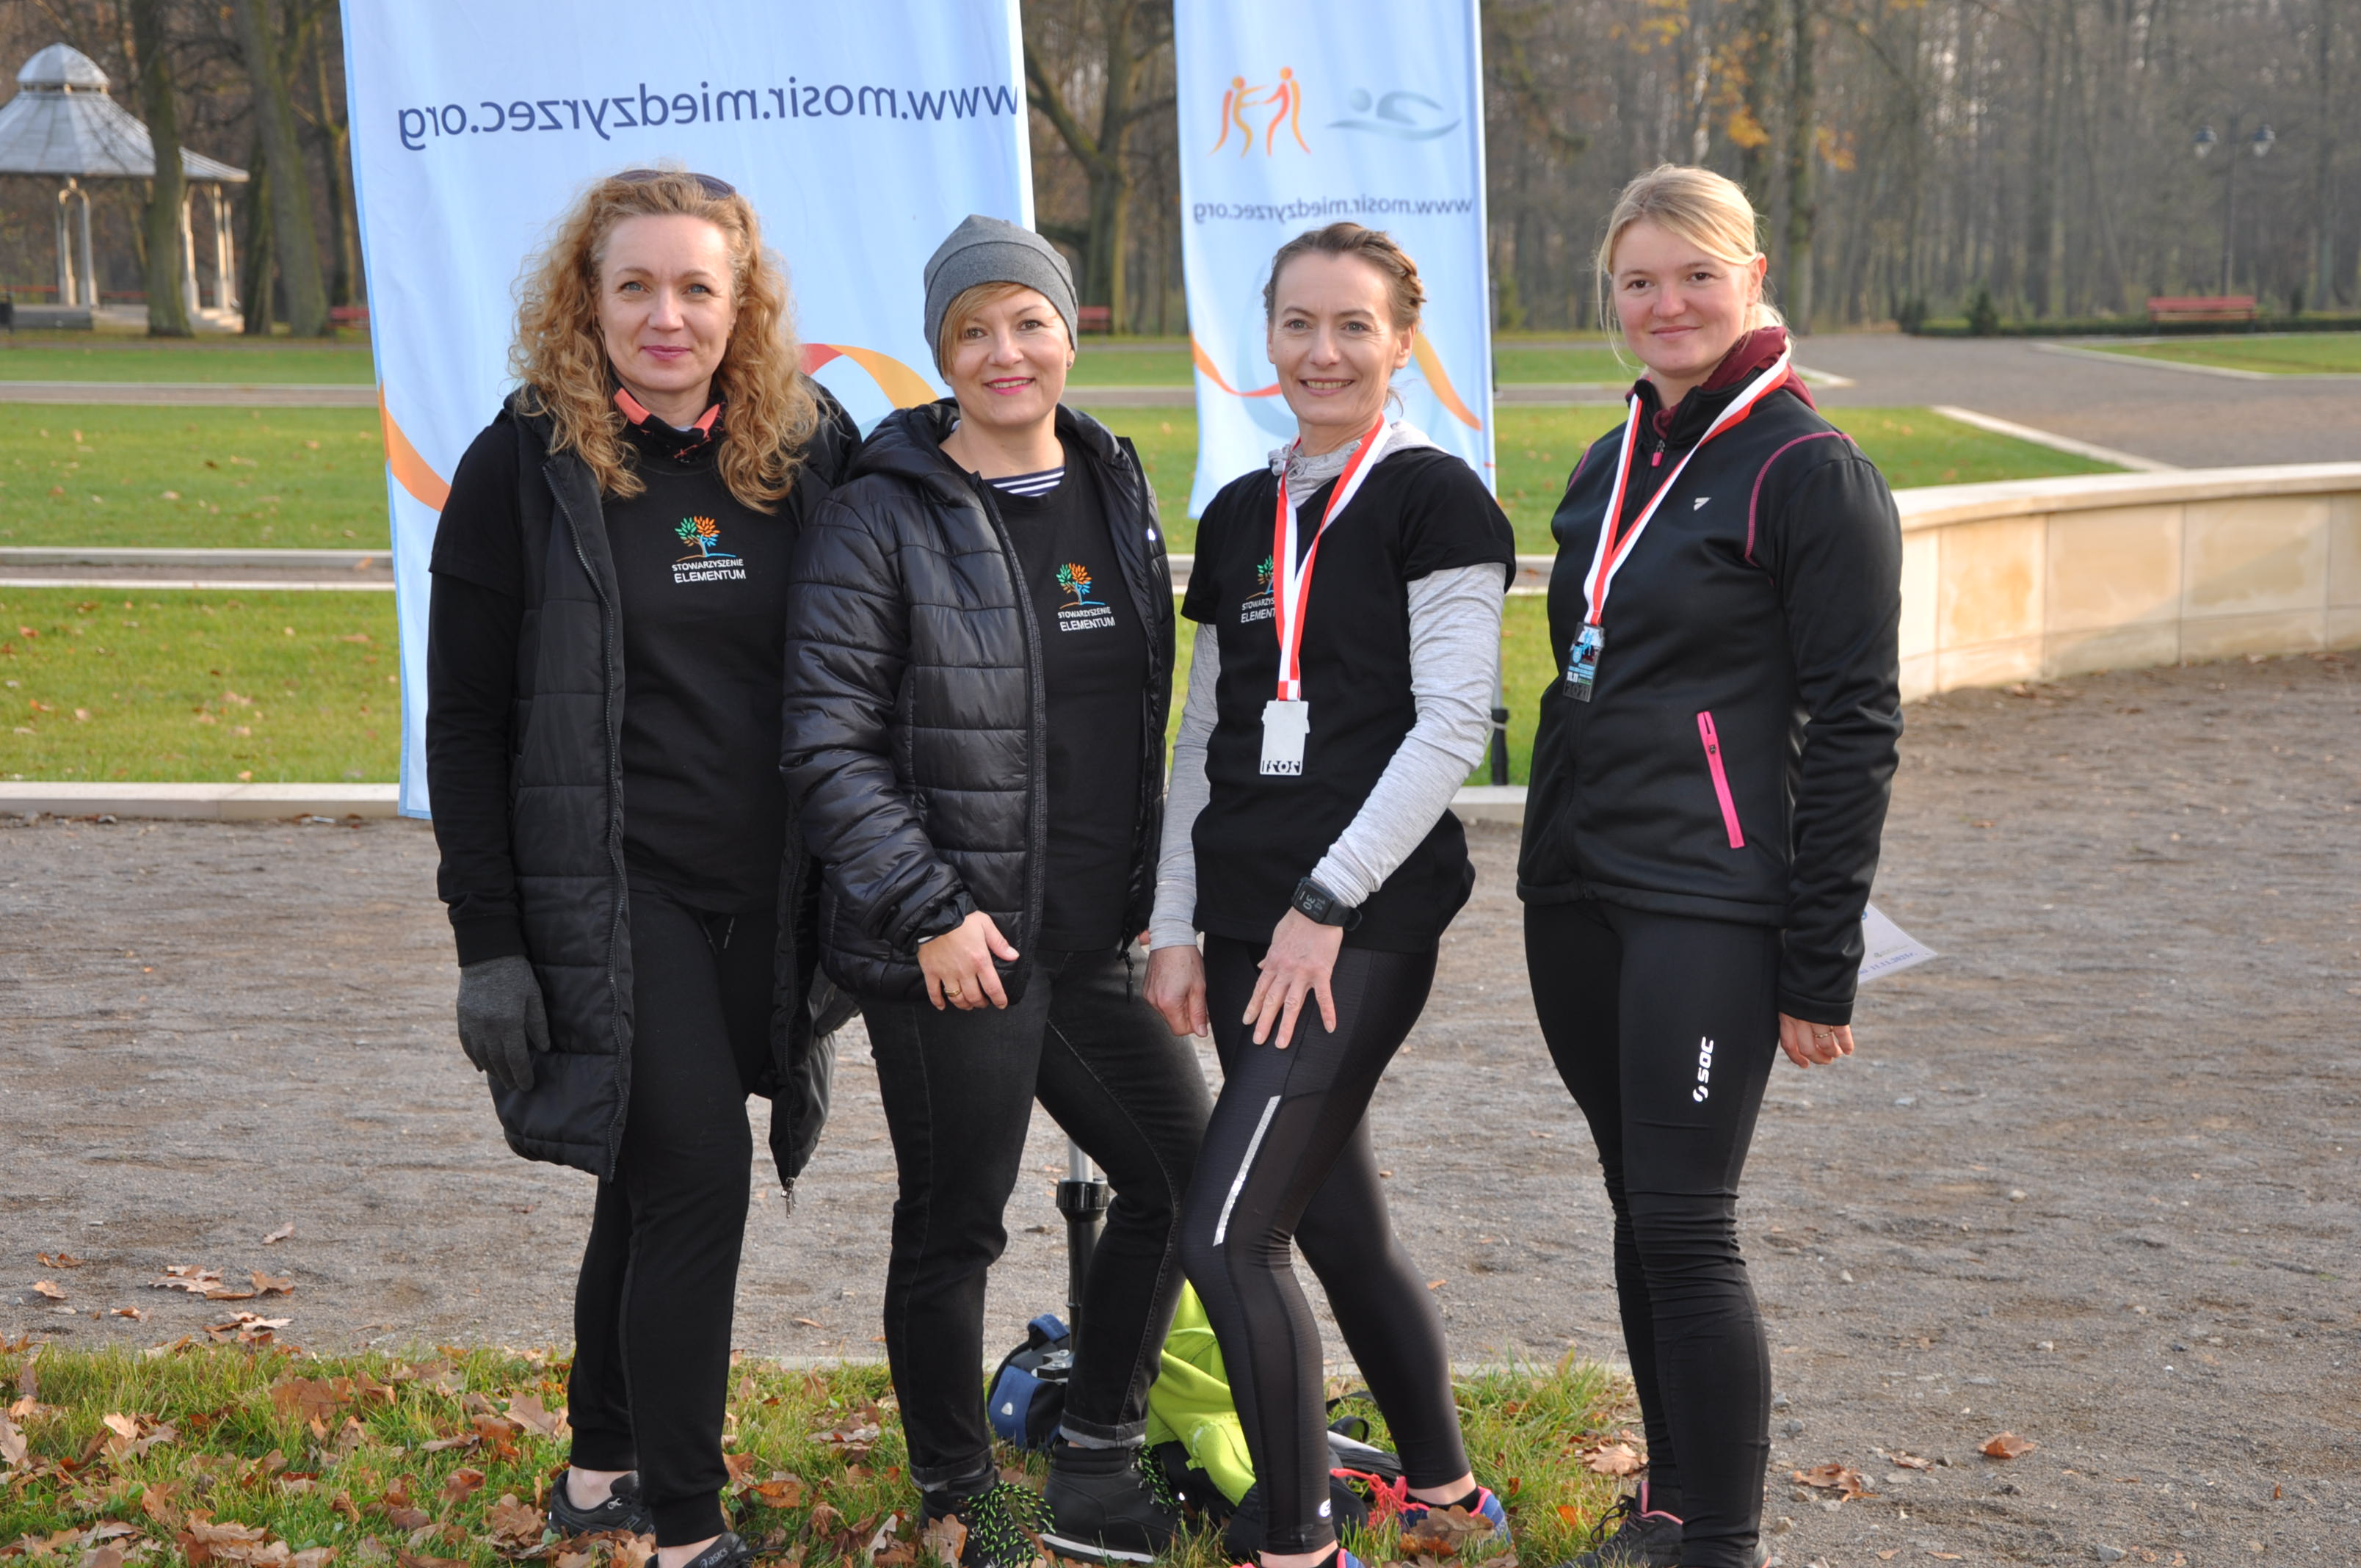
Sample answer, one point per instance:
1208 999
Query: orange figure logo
1283 98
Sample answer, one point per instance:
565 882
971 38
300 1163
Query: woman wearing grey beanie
979 665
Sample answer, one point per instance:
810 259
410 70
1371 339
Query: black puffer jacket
917 743
1735 759
564 828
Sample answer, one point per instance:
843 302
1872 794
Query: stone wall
2042 579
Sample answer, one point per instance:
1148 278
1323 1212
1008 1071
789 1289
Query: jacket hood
909 445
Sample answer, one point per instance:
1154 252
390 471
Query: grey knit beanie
993 250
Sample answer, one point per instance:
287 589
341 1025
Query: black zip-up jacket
1735 759
917 741
529 813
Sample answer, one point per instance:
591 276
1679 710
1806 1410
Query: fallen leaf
2008 1445
245 1328
280 1234
781 1491
1911 1462
311 1399
1614 1459
1841 1479
47 1287
13 1446
103 1557
811 1323
462 1483
512 1523
944 1540
187 1276
57 1260
132 1313
1445 1530
269 1285
408 1517
312 1557
1887 1555
529 1413
415 1559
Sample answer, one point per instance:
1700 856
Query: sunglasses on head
706 182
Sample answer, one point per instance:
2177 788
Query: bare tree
1112 48
167 307
296 248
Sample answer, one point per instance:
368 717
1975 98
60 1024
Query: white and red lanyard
1615 543
1292 583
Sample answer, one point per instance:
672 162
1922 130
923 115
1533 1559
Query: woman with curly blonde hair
604 660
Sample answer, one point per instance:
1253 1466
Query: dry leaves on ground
248 1328
512 1524
1445 1530
1614 1459
1841 1479
1910 1461
57 1260
2008 1445
528 1411
280 1234
50 1289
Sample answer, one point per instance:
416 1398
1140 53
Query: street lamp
2203 144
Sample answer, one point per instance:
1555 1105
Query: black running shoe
1242 1537
1104 1505
1632 1535
623 1510
1002 1524
727 1551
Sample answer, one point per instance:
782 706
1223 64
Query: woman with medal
602 740
1710 782
1348 606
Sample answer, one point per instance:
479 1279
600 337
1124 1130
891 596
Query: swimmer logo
1705 1071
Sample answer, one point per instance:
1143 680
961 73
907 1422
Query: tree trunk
2324 187
295 244
1759 56
167 307
255 290
336 161
1803 151
1131 33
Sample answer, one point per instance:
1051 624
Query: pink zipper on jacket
1720 780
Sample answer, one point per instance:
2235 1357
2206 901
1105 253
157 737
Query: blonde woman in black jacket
977 679
1709 781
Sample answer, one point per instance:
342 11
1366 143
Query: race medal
1581 662
1285 727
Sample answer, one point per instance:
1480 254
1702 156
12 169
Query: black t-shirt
703 582
1094 673
1419 511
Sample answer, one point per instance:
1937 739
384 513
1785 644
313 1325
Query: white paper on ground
1886 947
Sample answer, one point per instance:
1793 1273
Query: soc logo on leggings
1705 1071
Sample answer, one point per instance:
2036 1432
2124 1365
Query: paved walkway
193 394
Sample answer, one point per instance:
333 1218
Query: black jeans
1288 1159
959 1091
1666 1028
652 1308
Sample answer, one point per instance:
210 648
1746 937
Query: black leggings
1664 1027
1287 1158
652 1308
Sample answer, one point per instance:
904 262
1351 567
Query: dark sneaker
1632 1535
623 1510
727 1551
1342 1559
997 1528
1486 1509
1242 1536
1105 1507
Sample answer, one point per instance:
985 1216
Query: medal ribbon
1615 540
1291 586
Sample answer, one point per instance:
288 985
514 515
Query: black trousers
1664 1028
653 1309
959 1091
1288 1161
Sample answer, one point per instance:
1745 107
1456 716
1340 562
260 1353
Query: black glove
502 1019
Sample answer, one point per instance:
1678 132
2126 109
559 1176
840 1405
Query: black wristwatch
1317 904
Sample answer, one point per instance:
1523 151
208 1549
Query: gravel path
2091 1178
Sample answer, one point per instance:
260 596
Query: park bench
349 315
2203 308
1094 318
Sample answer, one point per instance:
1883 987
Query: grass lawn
73 474
2289 354
81 356
271 1457
275 688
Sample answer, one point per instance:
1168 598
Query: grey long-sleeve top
1454 663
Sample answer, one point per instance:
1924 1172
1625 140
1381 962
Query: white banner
862 134
1295 117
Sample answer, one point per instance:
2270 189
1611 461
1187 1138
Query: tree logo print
1262 575
706 535
1075 579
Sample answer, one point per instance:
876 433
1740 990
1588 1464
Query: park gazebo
62 125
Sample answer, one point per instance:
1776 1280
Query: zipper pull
1658 460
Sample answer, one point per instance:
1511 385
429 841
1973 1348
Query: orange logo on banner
1283 98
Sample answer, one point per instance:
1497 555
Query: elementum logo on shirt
1256 604
1085 613
711 564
